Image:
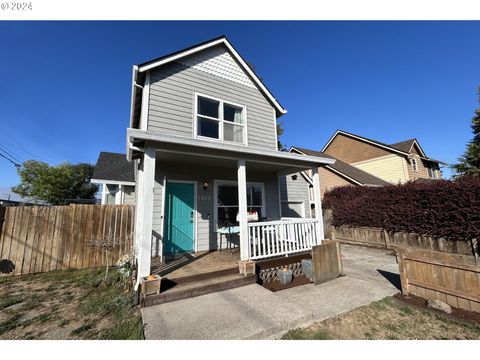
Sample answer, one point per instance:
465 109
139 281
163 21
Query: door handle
191 216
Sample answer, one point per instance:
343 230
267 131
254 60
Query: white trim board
113 182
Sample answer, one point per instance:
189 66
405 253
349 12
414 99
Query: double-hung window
221 120
414 164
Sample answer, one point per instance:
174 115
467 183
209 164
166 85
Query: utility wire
17 145
11 153
13 162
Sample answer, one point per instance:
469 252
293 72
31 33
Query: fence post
402 267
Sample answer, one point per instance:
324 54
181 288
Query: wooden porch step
201 287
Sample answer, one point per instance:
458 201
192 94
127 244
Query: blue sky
65 86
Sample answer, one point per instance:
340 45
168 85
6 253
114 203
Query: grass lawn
69 304
388 319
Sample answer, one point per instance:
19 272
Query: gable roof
113 167
402 147
141 69
350 172
407 146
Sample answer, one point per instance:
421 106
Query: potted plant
285 276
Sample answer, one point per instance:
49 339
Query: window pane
208 128
208 107
227 214
232 132
232 113
227 195
254 195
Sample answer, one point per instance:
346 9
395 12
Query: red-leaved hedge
448 209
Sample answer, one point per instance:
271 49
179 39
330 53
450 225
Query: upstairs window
414 164
220 120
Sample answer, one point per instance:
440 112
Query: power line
13 162
17 145
10 153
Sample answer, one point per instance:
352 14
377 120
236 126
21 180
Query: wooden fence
42 238
451 278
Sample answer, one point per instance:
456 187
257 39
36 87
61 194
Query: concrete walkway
252 312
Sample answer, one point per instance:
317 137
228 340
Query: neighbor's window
432 172
414 164
227 201
112 191
218 119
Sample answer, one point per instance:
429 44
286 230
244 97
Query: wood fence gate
42 238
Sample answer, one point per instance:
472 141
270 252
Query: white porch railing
283 237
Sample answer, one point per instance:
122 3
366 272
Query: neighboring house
394 163
339 173
115 177
203 134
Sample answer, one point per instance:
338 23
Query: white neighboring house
115 177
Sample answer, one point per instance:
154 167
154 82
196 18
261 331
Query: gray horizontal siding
171 103
207 238
293 191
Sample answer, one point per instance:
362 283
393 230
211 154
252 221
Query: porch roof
139 139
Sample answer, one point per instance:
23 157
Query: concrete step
204 286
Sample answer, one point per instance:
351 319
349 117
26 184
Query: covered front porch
227 186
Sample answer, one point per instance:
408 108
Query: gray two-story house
203 136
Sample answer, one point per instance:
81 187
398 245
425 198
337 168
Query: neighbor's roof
139 71
402 147
115 167
358 176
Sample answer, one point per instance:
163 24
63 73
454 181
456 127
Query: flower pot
285 277
307 268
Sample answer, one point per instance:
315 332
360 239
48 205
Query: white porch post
104 193
242 210
318 203
144 214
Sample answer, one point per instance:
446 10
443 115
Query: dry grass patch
68 304
388 319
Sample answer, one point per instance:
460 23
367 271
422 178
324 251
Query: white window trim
220 120
119 195
217 183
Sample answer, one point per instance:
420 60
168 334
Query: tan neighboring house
393 163
339 173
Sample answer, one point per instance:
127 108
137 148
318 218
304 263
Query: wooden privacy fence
451 278
42 238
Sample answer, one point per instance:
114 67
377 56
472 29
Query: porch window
218 119
227 200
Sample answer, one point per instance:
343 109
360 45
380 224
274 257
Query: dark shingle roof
404 145
351 171
113 166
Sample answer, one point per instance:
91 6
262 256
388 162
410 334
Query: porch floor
195 263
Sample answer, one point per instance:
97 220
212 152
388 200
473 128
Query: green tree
469 162
55 185
280 133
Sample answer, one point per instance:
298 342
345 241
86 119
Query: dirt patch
69 304
457 314
389 319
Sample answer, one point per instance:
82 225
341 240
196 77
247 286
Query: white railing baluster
281 238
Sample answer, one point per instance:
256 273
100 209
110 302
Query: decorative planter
151 285
285 276
307 268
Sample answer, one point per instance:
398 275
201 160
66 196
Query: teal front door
179 218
